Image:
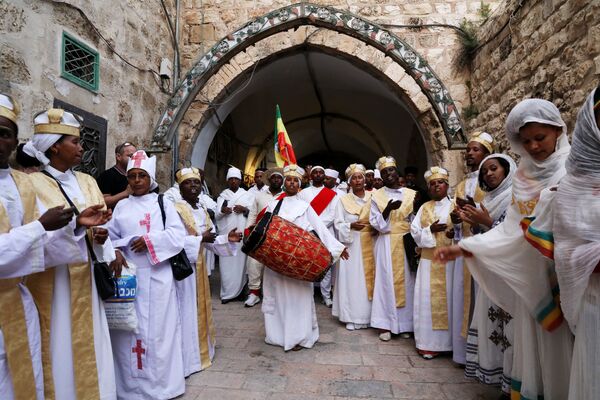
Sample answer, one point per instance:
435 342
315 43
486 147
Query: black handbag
180 263
106 284
410 249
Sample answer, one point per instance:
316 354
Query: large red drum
288 249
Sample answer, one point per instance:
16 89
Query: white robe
22 254
517 277
327 216
232 269
459 342
384 314
186 292
351 302
60 323
288 304
426 338
157 373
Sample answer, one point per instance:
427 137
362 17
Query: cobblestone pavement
342 365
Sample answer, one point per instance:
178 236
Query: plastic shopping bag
120 309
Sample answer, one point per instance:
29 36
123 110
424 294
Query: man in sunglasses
113 181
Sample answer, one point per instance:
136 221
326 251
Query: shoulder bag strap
76 211
161 205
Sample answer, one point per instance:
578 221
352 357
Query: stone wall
550 49
206 21
30 48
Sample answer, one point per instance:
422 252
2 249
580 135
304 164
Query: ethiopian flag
284 153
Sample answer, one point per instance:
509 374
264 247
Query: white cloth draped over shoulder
194 329
351 302
577 237
427 338
515 274
232 269
22 250
384 313
149 364
288 304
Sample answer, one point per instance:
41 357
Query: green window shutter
80 63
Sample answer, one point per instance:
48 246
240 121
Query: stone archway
304 24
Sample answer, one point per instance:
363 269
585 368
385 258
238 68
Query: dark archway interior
337 111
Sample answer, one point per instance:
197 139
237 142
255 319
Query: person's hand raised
56 217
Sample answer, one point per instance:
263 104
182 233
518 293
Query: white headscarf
533 176
498 200
577 214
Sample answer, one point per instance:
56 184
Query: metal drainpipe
175 79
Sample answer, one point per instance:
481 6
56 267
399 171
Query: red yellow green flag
284 152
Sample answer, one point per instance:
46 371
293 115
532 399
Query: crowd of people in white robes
499 272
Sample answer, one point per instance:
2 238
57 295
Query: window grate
79 63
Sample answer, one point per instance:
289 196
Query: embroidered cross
139 350
146 222
138 158
497 336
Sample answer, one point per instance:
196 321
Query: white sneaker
327 302
385 336
350 326
361 326
405 335
252 300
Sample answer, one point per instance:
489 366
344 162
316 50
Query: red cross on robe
139 350
146 222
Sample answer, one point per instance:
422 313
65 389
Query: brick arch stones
305 24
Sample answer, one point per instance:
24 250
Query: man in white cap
323 200
480 145
233 206
433 289
377 181
24 238
369 176
149 362
288 304
274 179
391 209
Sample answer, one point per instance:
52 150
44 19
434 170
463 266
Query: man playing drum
288 304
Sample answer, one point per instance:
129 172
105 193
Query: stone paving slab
344 364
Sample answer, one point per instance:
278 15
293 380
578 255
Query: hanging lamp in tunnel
284 152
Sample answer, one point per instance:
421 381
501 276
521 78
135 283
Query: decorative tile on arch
371 43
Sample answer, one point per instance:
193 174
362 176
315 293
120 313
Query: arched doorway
348 89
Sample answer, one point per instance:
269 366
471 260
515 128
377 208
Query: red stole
262 212
322 200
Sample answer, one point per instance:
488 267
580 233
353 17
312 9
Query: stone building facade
546 48
127 98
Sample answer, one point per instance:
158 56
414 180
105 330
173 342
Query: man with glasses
113 181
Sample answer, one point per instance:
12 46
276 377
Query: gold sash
206 327
399 227
12 312
42 286
466 231
437 273
366 236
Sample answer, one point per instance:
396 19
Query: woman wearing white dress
149 362
513 262
489 341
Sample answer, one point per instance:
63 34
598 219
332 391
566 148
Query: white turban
44 132
376 174
233 172
331 173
